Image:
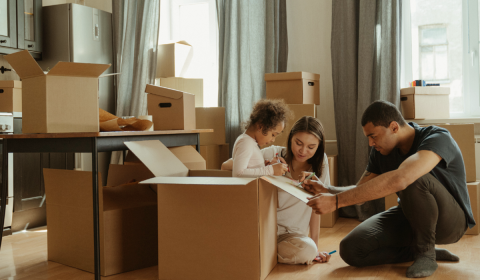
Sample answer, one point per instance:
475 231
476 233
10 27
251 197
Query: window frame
420 46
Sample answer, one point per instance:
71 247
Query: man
424 166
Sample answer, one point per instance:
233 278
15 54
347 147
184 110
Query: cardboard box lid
121 174
425 90
165 92
181 42
128 196
158 158
24 64
291 76
232 181
189 157
11 84
75 69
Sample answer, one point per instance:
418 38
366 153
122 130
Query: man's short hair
382 113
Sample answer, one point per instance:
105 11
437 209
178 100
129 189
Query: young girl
266 122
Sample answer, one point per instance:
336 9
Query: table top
101 134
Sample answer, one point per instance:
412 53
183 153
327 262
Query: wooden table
90 142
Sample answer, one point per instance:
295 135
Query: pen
308 177
334 251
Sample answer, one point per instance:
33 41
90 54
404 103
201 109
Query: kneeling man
424 166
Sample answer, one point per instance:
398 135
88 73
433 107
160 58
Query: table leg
96 223
198 142
4 194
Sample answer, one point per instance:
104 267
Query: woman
305 152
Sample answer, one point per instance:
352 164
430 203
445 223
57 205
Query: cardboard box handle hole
403 98
165 105
1 90
311 84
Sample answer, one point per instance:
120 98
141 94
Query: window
195 21
440 43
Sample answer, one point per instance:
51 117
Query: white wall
309 24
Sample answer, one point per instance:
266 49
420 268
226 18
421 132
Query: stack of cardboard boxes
416 104
301 92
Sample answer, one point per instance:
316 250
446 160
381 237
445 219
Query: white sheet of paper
285 184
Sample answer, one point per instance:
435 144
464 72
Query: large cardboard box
208 118
187 155
215 155
173 59
64 100
464 135
425 102
170 109
128 220
294 87
474 194
329 220
10 96
217 212
193 86
298 110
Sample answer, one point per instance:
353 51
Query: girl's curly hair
268 113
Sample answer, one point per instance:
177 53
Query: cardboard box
215 155
294 87
170 109
64 100
187 155
208 118
329 220
217 212
10 96
298 110
391 200
464 135
128 220
193 86
173 59
474 194
425 102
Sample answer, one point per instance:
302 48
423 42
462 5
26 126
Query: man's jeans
427 215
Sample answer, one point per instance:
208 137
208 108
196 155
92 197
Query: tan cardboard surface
425 102
425 90
78 69
291 76
474 193
121 174
24 64
34 102
193 86
164 91
215 155
267 205
158 159
210 173
391 200
328 220
10 84
294 87
213 117
298 110
189 157
11 96
173 59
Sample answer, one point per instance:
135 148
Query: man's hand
323 203
314 187
322 257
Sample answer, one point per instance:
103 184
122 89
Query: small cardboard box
208 118
173 59
328 220
64 100
193 86
464 135
391 200
10 96
425 102
298 110
218 212
474 194
215 155
128 220
294 87
170 109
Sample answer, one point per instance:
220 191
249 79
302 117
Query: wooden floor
24 256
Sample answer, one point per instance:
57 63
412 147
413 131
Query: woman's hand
314 187
322 257
305 174
279 169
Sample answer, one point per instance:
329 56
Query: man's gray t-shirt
450 171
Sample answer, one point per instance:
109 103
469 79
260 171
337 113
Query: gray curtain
135 38
365 67
252 42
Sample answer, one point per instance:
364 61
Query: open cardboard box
212 228
128 219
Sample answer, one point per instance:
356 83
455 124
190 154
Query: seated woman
305 152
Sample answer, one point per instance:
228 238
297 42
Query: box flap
158 158
190 157
24 64
210 173
234 181
165 92
425 90
128 196
122 174
11 84
287 185
182 42
78 69
291 76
